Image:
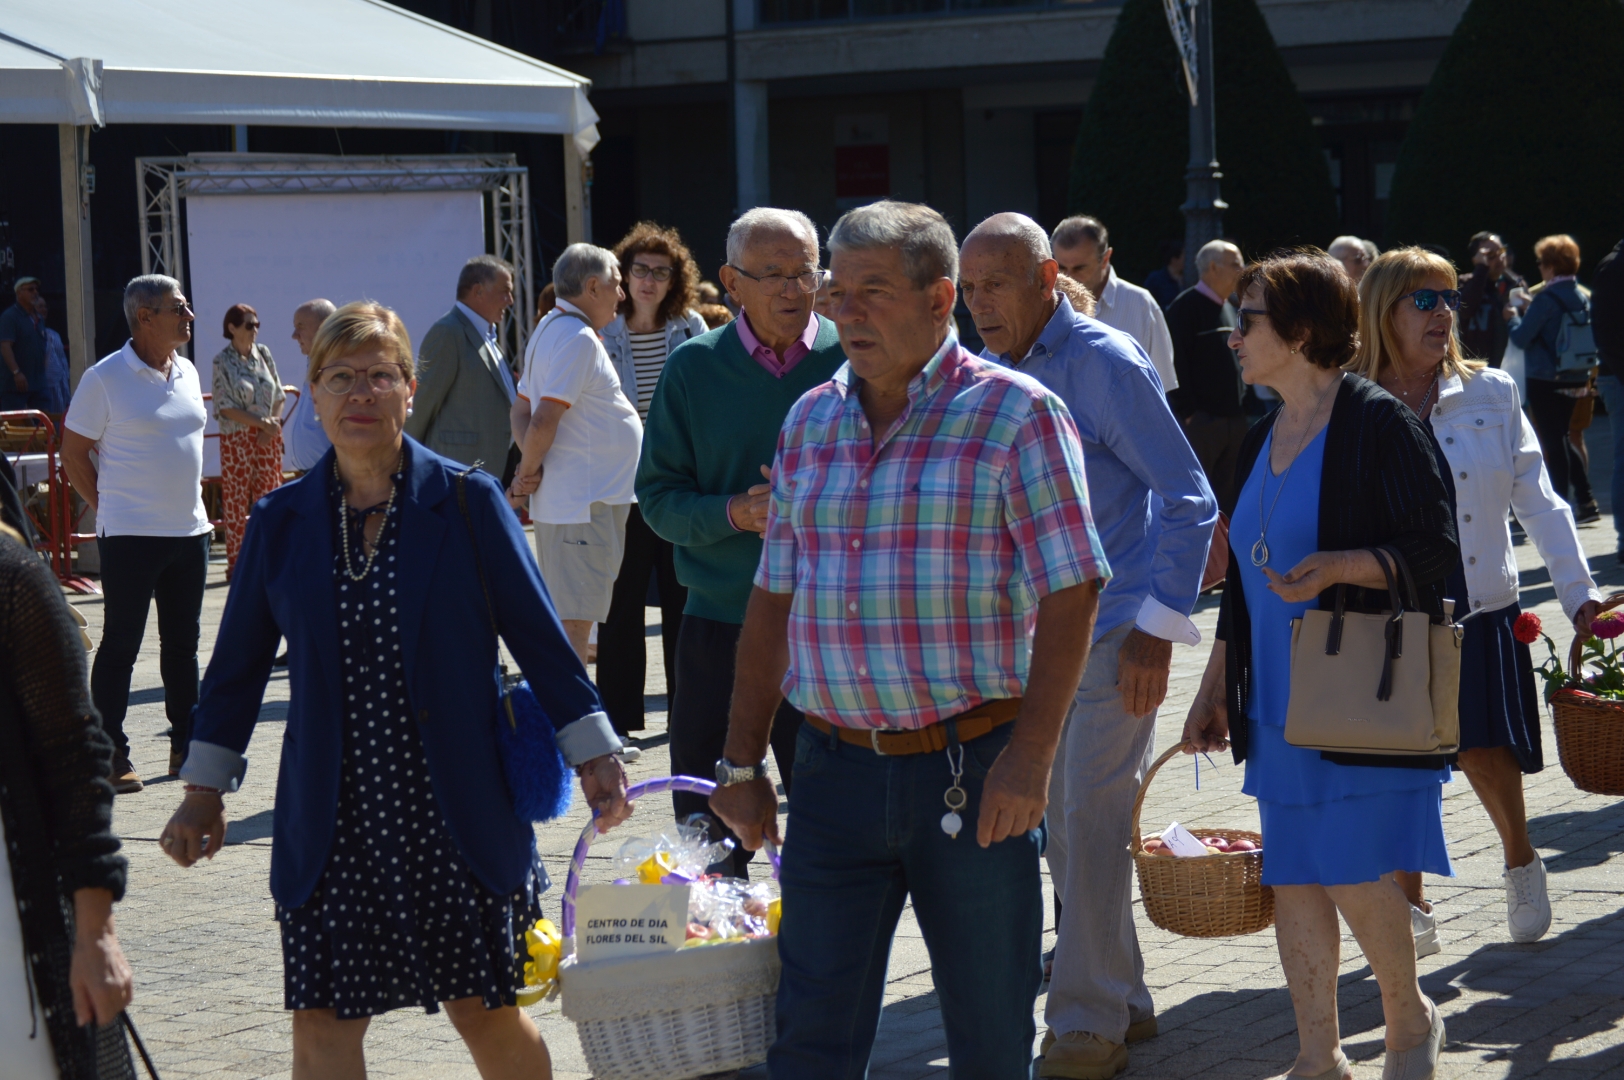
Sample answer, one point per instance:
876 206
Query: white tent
303 63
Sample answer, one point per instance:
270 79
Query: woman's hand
1584 617
197 830
99 976
1321 570
269 428
1207 726
603 782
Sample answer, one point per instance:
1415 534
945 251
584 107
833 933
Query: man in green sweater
709 441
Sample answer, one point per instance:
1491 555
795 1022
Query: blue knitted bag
538 777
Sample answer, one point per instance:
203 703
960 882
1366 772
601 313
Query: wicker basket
1590 730
670 1016
1215 896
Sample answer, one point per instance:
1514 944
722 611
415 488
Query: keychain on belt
956 797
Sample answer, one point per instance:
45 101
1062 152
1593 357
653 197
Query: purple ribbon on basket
572 883
1198 756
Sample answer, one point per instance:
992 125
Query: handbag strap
484 587
140 1047
1394 628
1333 634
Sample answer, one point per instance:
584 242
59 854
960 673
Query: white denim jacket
1496 464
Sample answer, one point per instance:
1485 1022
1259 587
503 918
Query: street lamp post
1203 208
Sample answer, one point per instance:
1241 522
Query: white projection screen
274 252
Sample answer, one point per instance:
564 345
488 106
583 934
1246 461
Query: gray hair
579 264
925 239
767 219
1018 228
318 307
1211 252
145 293
480 270
1342 243
1371 249
1079 227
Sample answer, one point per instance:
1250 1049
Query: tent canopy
304 63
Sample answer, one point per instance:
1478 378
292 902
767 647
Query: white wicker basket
671 1016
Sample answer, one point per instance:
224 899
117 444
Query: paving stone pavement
208 964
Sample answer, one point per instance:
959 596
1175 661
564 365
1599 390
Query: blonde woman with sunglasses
1488 453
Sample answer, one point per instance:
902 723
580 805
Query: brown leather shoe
125 779
177 758
1083 1055
1137 1032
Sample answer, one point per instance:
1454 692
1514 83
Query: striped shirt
648 360
917 565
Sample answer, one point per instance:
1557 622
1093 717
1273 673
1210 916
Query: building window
787 11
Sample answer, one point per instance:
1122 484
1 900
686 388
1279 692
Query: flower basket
1211 896
675 1015
1590 729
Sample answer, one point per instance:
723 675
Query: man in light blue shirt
303 440
1154 512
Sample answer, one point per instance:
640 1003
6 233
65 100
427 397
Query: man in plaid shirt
929 511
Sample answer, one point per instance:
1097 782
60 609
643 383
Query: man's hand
748 512
603 782
1015 794
750 809
197 830
20 380
1142 666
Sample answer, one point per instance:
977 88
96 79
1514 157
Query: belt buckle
874 738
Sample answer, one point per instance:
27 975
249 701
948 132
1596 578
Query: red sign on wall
862 159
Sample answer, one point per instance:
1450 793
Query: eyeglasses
658 273
250 326
1427 299
1246 314
809 282
340 378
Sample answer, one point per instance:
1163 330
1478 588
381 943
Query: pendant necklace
344 525
1260 549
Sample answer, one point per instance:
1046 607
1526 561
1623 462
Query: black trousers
1216 441
705 655
135 571
1552 414
622 640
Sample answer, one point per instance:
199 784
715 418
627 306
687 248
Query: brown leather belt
970 725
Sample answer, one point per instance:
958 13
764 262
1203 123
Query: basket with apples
1215 893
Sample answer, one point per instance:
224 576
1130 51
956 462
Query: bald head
307 319
1220 264
1007 279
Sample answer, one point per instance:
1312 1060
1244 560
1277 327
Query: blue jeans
864 834
1612 393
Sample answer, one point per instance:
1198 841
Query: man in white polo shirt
141 410
579 438
1082 247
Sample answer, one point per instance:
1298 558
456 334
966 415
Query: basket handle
1576 650
572 883
1144 785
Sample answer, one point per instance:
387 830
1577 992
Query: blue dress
1323 823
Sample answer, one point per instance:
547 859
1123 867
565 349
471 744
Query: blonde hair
357 326
1393 275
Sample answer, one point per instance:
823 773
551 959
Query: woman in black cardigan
1340 467
59 1014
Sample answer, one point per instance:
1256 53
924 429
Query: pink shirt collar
766 357
1207 290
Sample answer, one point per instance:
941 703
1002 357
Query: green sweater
713 422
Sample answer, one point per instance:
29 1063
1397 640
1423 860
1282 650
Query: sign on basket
613 921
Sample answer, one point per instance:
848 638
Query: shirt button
422 716
852 606
1472 561
856 543
1468 517
862 483
1450 440
1480 423
862 671
1463 476
1477 603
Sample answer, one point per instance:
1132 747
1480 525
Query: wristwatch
728 774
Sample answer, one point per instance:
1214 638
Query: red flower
1608 625
1527 628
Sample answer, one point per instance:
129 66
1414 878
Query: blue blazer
284 587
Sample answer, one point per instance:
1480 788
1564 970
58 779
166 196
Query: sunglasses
1246 315
1427 299
658 273
250 326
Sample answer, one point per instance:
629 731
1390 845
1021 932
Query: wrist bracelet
204 788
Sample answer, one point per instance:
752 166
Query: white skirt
25 1045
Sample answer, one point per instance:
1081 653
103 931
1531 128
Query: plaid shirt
917 565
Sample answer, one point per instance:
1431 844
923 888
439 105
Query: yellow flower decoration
546 947
652 870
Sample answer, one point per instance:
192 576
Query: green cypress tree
1521 130
1134 140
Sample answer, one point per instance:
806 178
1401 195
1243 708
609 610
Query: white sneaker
1424 925
1528 908
630 753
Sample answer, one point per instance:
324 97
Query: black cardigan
1379 485
57 802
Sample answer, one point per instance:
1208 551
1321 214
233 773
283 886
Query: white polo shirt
1126 307
594 455
148 432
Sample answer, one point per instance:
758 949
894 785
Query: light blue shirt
303 440
493 338
1153 508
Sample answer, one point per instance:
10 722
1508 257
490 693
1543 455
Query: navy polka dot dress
397 918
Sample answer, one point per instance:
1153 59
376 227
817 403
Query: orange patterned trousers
248 472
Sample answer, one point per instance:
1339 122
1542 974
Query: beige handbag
1363 691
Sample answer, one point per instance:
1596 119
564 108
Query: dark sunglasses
1246 318
1427 299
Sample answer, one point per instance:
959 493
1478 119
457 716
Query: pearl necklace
344 525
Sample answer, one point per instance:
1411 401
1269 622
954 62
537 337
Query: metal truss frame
164 183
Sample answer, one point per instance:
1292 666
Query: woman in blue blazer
401 874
